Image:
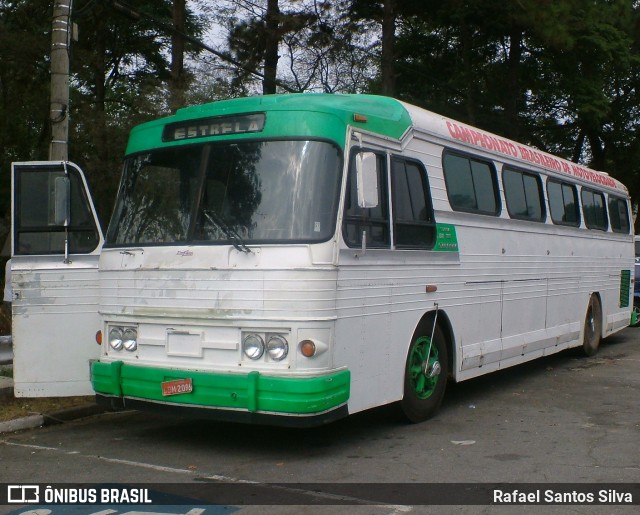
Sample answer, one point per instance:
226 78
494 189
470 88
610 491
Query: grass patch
17 407
12 408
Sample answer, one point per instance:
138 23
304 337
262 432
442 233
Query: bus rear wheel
636 312
425 377
592 327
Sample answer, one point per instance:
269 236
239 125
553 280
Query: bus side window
619 215
373 221
563 203
523 194
413 221
471 184
593 210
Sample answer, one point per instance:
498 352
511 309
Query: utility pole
59 111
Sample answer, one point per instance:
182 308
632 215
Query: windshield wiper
230 232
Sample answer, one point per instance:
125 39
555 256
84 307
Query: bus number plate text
177 387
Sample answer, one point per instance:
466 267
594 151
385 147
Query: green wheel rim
422 385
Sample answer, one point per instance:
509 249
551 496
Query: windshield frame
197 211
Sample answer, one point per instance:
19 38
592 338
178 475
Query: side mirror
367 179
62 206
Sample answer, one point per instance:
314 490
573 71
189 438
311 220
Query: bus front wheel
592 327
425 376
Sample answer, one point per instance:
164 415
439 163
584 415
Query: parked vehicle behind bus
292 259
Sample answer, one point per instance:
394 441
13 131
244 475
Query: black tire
592 327
423 394
636 310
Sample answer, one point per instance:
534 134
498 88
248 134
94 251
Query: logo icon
23 494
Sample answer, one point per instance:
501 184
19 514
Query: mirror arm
363 247
66 261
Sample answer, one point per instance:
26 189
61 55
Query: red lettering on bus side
453 130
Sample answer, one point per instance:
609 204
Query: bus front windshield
253 192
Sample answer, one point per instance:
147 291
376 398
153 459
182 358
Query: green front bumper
254 391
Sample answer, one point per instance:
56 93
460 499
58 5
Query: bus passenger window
619 215
413 222
563 203
471 184
593 210
523 193
374 221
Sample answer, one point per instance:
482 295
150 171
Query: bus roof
295 115
328 116
458 132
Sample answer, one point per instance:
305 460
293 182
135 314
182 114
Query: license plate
177 387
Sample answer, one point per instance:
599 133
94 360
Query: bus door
56 242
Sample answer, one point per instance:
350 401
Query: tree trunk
597 150
177 82
387 68
467 66
99 134
514 98
272 41
578 147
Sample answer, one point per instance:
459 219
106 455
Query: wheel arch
592 334
425 326
598 297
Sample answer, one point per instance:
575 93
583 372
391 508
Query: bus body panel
55 319
527 282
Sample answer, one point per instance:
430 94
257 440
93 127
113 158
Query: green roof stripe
294 115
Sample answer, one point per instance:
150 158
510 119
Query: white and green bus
292 259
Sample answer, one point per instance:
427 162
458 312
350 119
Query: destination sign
215 126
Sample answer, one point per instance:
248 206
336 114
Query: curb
69 414
21 423
50 419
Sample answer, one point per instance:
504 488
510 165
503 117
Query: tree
24 87
308 45
121 73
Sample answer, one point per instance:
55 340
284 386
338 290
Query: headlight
130 339
123 338
115 338
253 346
277 348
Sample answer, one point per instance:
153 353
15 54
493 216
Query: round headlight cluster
130 339
254 347
277 348
115 338
123 338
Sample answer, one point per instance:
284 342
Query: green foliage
24 87
119 72
563 75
